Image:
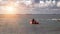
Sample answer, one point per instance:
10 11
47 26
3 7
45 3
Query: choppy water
19 24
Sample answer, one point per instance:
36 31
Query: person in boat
34 21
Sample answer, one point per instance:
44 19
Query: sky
14 7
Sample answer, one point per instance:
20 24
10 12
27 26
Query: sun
10 9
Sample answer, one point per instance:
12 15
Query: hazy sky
10 7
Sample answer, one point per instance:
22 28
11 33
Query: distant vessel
33 21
